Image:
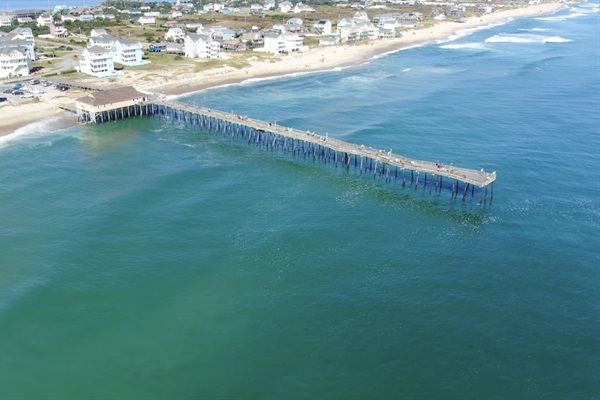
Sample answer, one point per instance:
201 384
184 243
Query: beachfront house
252 38
282 43
174 34
233 45
44 20
201 46
274 43
321 27
328 41
14 61
91 106
97 61
58 31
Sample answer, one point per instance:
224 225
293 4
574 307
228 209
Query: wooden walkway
479 178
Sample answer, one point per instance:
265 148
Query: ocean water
146 260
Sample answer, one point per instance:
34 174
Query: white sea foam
467 46
525 38
562 17
466 32
41 128
534 30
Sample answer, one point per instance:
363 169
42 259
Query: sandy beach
316 59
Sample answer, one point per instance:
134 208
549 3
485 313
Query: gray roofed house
111 96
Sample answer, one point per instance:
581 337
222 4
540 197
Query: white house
256 9
322 27
302 8
176 14
147 20
274 43
97 61
201 46
129 52
282 43
174 34
293 42
285 7
5 20
268 5
44 20
154 14
65 18
106 41
328 41
14 61
97 32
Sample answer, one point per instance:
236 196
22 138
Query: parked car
17 86
34 81
7 91
46 83
3 99
62 88
27 96
17 92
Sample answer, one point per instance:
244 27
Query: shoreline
353 55
315 60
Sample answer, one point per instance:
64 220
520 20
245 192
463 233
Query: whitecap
467 46
525 38
561 17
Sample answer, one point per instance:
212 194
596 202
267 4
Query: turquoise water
146 260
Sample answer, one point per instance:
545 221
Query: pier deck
479 178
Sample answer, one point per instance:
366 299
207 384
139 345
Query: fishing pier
430 176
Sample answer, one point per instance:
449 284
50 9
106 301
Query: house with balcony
58 31
129 52
322 27
97 61
201 46
5 20
274 43
106 41
174 34
14 61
